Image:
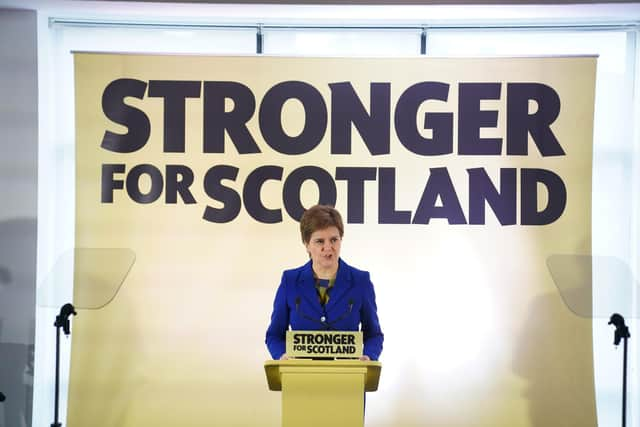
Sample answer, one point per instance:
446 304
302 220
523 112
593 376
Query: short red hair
319 217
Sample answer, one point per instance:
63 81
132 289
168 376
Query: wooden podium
322 393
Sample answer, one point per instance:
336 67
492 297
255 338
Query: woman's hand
364 358
284 357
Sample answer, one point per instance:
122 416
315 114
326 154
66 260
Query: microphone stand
62 321
621 333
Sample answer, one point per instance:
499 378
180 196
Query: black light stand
62 321
621 333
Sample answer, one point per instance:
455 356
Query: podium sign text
334 344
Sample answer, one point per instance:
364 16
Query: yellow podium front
321 393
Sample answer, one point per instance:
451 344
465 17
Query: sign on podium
324 344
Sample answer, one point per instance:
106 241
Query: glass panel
158 40
574 276
97 275
327 42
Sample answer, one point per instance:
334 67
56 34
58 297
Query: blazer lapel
307 288
340 287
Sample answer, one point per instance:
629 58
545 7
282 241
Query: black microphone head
616 320
2 397
68 310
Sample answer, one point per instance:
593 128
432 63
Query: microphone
2 397
622 331
62 319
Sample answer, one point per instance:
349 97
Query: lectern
322 393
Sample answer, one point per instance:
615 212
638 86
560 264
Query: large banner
457 179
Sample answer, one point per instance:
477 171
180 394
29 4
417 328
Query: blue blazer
351 307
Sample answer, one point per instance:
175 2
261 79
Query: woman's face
324 248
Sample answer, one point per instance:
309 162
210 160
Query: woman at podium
326 293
